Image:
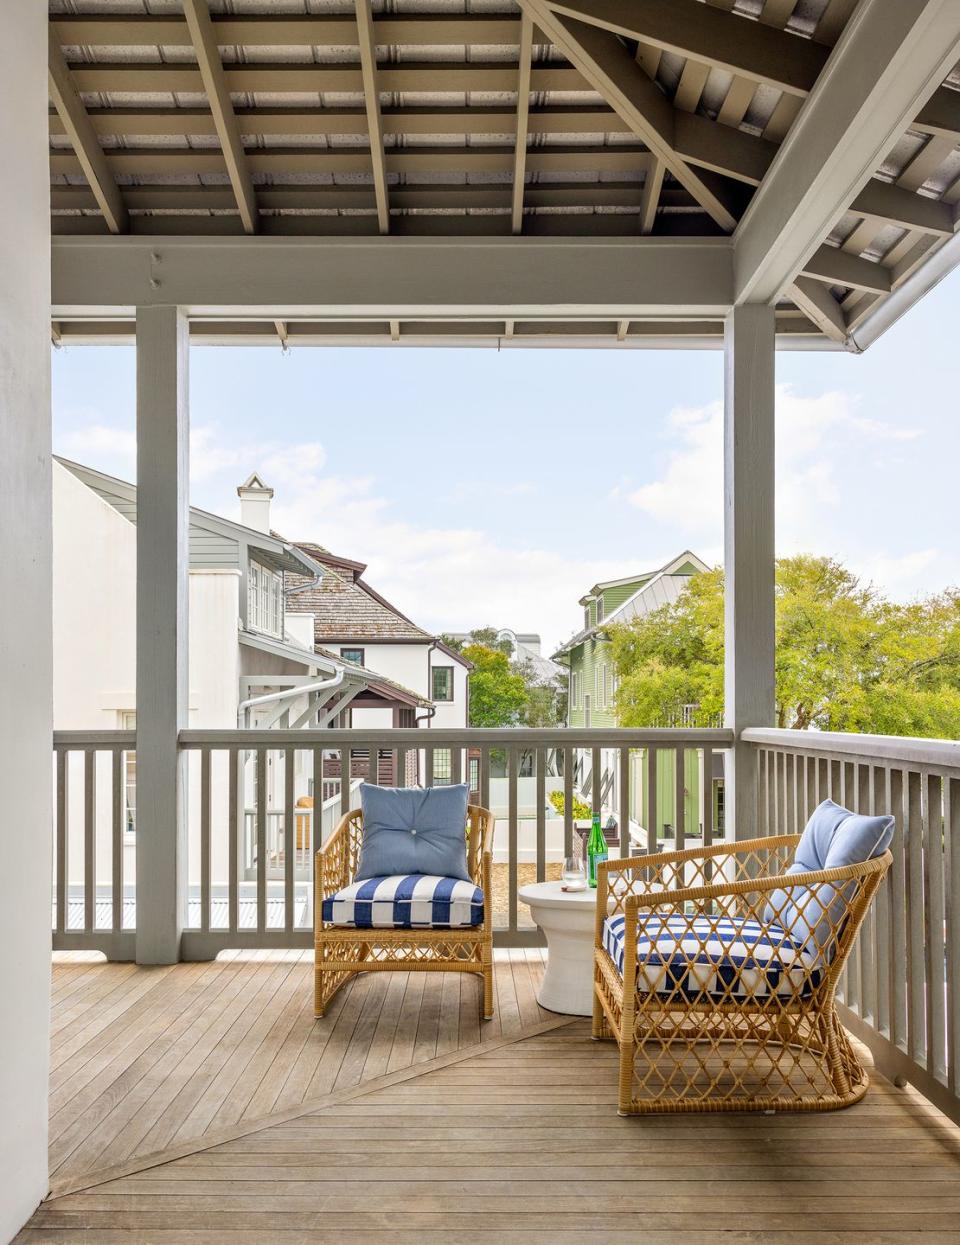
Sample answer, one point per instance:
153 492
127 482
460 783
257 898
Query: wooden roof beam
204 40
608 66
371 95
688 28
816 302
86 145
883 70
523 114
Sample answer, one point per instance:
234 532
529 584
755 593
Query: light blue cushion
833 837
406 831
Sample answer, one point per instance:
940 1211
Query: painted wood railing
900 993
252 827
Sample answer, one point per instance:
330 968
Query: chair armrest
333 870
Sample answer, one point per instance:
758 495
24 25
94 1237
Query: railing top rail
895 749
94 739
518 737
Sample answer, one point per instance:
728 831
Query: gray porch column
162 676
26 643
748 522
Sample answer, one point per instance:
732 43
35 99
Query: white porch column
26 671
748 522
162 677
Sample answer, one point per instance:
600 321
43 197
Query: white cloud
113 450
813 437
444 578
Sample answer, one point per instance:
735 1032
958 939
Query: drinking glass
573 877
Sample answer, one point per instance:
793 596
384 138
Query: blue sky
494 488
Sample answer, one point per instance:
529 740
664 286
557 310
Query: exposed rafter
816 301
523 112
204 39
652 190
82 135
689 28
612 71
881 73
371 95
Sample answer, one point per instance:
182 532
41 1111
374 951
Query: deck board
401 1111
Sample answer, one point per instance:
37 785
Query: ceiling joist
523 114
86 144
612 71
215 85
371 94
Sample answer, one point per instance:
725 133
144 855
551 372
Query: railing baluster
653 835
880 803
456 765
898 912
706 784
89 840
261 840
428 765
116 840
568 764
235 813
951 839
623 771
916 959
346 775
63 838
485 777
512 763
680 778
289 847
540 760
933 915
205 840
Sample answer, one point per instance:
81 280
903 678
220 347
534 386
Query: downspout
431 713
290 693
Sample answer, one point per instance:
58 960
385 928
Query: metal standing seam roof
660 588
469 118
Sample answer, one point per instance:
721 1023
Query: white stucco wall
25 630
407 664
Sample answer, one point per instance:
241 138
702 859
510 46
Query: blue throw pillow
833 837
406 830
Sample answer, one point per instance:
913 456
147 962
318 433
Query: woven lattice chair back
716 971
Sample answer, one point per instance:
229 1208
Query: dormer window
264 600
599 609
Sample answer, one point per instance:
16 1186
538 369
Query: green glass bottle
596 850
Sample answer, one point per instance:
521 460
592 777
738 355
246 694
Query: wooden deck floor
204 1104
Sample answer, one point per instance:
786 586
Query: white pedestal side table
567 918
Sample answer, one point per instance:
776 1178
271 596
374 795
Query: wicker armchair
721 1008
343 951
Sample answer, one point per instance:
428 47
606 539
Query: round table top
551 895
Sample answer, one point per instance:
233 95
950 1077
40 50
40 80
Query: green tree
847 659
498 692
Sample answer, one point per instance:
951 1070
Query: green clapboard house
592 684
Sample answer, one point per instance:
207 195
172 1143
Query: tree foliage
505 692
847 659
498 693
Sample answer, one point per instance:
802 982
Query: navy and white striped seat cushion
406 901
720 958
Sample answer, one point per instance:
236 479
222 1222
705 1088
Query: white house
359 625
252 660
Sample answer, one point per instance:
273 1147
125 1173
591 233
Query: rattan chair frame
696 1052
340 952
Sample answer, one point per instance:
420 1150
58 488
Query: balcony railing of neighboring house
900 992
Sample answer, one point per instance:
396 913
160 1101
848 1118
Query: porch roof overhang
562 172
